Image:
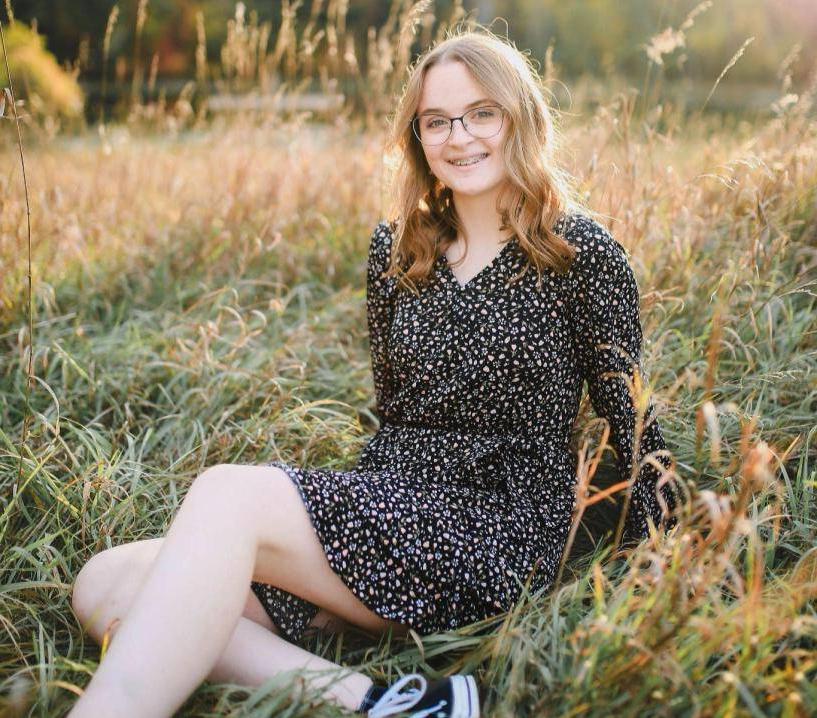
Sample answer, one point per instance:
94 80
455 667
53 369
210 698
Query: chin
473 188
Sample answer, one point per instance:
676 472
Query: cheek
439 167
499 160
434 159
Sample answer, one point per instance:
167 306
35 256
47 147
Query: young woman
491 299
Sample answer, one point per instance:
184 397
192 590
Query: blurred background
98 58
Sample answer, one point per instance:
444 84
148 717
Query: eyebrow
437 110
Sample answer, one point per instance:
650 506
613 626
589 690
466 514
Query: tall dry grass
199 298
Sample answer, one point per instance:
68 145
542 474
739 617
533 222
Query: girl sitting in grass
492 297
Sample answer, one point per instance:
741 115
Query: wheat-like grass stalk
201 50
106 51
136 78
729 65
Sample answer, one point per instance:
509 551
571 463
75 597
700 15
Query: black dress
468 484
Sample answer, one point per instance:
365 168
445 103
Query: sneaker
451 697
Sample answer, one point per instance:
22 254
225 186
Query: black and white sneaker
451 697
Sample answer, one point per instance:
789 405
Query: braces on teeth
471 161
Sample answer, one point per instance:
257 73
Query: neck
480 220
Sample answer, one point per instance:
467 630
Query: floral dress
467 489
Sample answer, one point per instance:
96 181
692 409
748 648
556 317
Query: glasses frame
452 120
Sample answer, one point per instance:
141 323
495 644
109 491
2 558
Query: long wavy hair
538 192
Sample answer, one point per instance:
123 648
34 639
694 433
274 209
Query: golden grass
199 298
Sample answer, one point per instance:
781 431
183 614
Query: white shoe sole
466 697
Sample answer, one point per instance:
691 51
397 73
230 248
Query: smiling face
450 90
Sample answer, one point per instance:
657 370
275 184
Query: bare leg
234 525
108 584
253 650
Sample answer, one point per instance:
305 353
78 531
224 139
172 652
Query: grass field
199 298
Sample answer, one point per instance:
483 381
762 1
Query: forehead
449 87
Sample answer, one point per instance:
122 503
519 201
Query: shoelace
393 702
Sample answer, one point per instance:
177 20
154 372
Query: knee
215 490
247 500
216 478
90 584
237 486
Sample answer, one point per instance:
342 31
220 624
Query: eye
435 122
485 113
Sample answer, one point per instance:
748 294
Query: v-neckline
467 285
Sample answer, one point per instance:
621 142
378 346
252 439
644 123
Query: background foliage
602 38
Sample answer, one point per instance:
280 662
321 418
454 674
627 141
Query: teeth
469 161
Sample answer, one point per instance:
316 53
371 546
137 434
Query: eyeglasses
481 122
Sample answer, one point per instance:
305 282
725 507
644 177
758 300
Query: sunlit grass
200 299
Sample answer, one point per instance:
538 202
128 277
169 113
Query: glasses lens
432 129
483 122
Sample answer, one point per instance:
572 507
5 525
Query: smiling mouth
476 159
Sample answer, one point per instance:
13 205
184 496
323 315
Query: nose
454 138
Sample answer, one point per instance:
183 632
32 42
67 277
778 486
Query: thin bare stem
30 300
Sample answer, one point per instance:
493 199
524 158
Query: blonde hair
538 191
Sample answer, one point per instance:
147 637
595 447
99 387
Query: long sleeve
380 293
608 340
